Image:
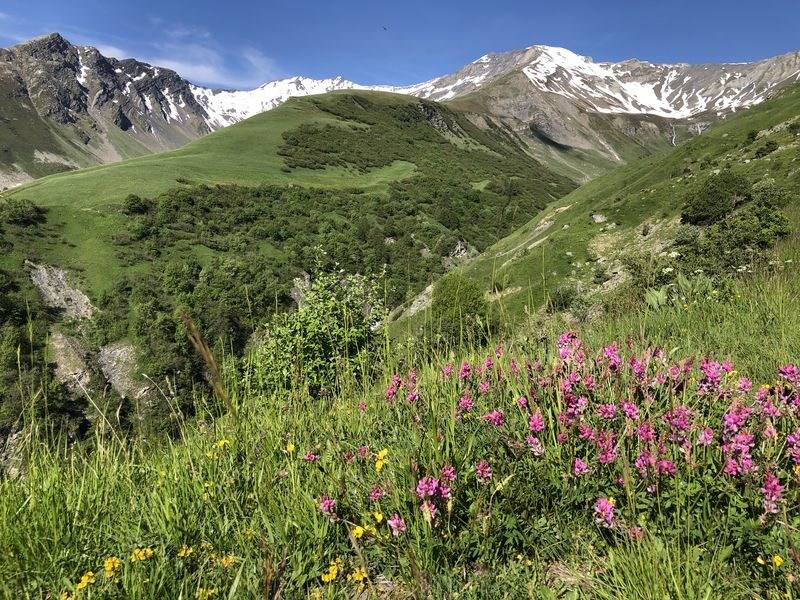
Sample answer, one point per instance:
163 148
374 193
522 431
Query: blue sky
233 43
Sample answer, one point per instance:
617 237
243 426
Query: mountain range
68 106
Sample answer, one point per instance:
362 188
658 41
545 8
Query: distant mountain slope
67 106
580 240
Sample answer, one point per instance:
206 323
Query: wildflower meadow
610 470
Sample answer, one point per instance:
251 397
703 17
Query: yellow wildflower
331 573
379 465
249 533
290 447
141 554
358 532
227 561
370 529
222 443
358 574
65 596
185 551
205 593
796 469
378 517
778 560
86 579
112 565
612 501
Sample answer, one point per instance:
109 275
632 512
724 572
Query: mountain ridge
79 108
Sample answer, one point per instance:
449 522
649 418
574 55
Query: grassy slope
88 201
244 153
536 258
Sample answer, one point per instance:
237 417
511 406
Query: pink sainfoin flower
744 385
362 406
488 363
793 444
706 436
514 367
612 357
580 468
630 410
536 422
604 512
465 371
585 432
607 411
448 473
484 386
310 457
397 525
496 418
412 396
363 451
447 371
736 417
498 351
466 403
646 432
376 493
427 486
327 505
607 446
772 492
790 373
535 445
522 402
484 471
645 461
737 453
665 467
711 376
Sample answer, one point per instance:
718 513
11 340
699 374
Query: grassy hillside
581 240
594 464
222 227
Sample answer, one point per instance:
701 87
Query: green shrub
716 197
768 148
21 212
330 338
460 309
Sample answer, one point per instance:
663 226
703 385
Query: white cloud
111 51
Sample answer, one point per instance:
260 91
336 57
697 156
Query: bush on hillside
716 198
21 212
329 339
460 309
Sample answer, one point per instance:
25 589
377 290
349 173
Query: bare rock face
118 363
58 292
72 370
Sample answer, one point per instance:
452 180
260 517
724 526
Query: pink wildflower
327 505
580 468
772 492
496 418
397 525
604 512
484 471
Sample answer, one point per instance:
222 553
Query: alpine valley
526 330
